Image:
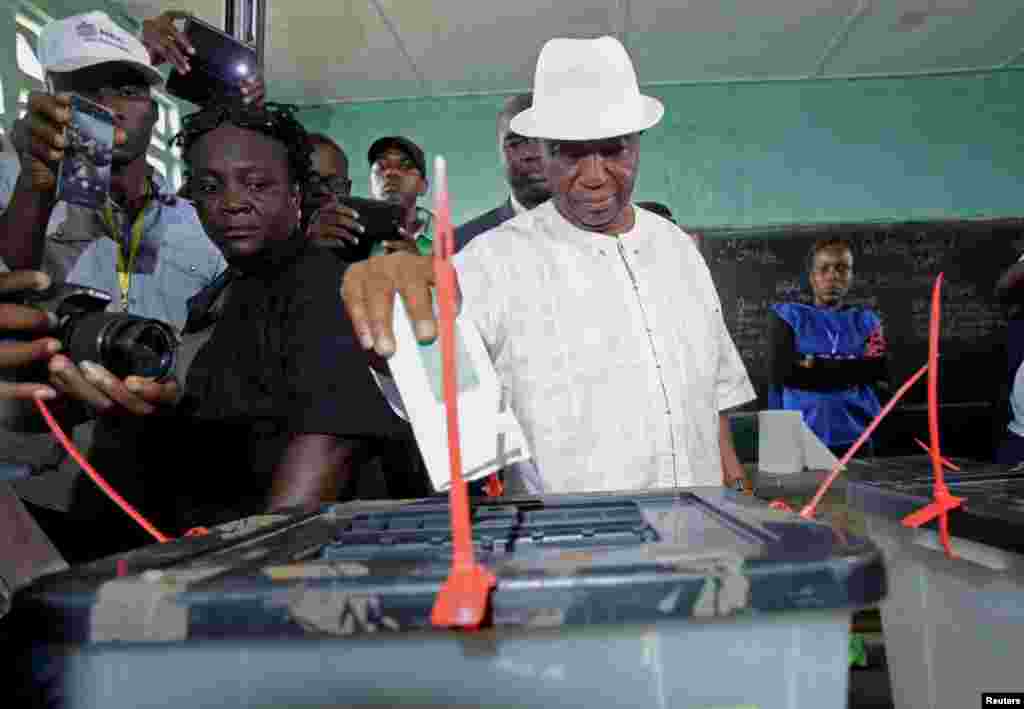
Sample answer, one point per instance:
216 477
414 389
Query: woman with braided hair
278 359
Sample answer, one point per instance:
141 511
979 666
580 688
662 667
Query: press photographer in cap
398 174
389 222
142 245
603 324
145 247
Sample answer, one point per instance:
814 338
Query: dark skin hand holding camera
40 141
92 384
333 222
24 322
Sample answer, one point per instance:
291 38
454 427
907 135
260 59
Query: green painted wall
756 154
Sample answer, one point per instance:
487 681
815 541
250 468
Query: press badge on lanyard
133 237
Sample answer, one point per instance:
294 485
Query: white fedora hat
89 39
586 89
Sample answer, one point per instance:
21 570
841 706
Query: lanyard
125 262
834 339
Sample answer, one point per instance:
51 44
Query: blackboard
894 270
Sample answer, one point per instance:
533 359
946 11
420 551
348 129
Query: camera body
380 219
126 345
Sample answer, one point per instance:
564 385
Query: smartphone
219 65
83 177
381 220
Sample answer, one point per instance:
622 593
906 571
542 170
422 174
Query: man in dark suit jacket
521 158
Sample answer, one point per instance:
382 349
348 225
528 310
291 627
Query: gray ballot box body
953 627
697 597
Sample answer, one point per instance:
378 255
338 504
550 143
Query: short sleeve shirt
613 350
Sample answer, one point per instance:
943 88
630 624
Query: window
27 60
28 23
157 164
162 155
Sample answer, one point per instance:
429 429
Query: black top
826 374
284 350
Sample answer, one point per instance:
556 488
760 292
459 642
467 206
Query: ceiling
326 51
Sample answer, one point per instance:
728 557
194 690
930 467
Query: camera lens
125 345
144 348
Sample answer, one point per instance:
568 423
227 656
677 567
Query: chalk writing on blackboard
746 251
894 270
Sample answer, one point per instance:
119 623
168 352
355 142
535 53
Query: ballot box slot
497 529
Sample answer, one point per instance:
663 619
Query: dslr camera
125 345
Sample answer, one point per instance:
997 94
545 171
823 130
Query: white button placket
668 465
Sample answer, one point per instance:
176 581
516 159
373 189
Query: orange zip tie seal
808 511
943 500
945 461
463 599
103 485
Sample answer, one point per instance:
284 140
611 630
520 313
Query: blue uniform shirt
836 417
175 260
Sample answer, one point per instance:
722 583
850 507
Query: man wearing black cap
398 174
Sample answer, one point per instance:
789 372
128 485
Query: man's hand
40 139
22 319
165 43
368 290
254 90
94 386
333 223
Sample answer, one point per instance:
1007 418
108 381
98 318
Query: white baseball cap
89 39
586 89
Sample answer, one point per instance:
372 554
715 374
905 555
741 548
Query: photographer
146 247
329 221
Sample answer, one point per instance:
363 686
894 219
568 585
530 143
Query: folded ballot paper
489 434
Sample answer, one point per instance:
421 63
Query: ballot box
953 628
699 597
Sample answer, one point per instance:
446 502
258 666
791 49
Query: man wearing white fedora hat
604 326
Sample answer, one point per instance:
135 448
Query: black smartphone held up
83 178
218 67
381 220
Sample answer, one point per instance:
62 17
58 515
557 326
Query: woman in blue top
827 357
